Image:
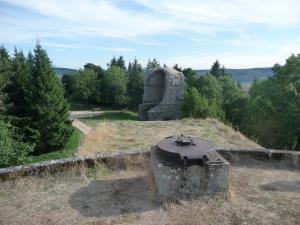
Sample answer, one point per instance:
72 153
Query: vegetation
34 110
12 150
34 115
273 111
67 151
117 87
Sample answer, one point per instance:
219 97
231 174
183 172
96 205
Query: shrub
12 150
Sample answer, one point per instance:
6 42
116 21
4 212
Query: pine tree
152 64
18 81
5 66
135 87
50 125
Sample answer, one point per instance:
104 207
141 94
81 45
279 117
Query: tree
85 86
273 112
5 66
195 105
120 62
217 71
49 125
135 87
234 100
16 90
176 67
115 83
12 150
97 69
190 77
152 64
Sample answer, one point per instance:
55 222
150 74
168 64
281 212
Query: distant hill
245 75
241 75
60 71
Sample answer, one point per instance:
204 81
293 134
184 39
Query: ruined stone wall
163 94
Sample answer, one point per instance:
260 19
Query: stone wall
119 160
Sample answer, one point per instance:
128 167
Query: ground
121 131
259 193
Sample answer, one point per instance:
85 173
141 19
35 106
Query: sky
192 33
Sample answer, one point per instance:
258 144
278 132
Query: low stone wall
289 158
112 160
120 160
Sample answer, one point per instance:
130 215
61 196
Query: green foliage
152 64
12 150
49 126
234 100
273 113
5 66
85 86
196 105
190 77
16 90
117 62
115 83
135 87
67 151
209 87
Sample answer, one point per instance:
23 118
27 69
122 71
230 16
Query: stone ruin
163 94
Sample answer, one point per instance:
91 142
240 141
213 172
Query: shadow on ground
103 198
282 186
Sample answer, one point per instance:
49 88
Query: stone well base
174 182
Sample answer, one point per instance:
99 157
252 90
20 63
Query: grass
258 194
117 134
68 151
110 116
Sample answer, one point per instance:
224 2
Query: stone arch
163 93
156 84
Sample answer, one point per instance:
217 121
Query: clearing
121 131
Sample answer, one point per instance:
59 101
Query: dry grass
263 195
122 135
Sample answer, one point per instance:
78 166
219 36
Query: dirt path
85 129
84 114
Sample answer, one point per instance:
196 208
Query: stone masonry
163 94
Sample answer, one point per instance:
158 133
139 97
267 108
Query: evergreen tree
135 85
5 67
152 64
120 62
16 90
50 125
215 69
176 67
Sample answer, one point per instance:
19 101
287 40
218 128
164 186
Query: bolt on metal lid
185 148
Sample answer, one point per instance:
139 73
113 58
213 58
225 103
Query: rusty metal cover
185 149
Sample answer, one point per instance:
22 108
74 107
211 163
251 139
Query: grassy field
68 151
260 194
120 131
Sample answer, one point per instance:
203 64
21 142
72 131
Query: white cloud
265 57
107 18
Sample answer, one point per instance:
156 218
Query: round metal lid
185 146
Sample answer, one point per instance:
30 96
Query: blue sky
192 33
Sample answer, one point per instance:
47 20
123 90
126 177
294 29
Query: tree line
34 101
119 86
